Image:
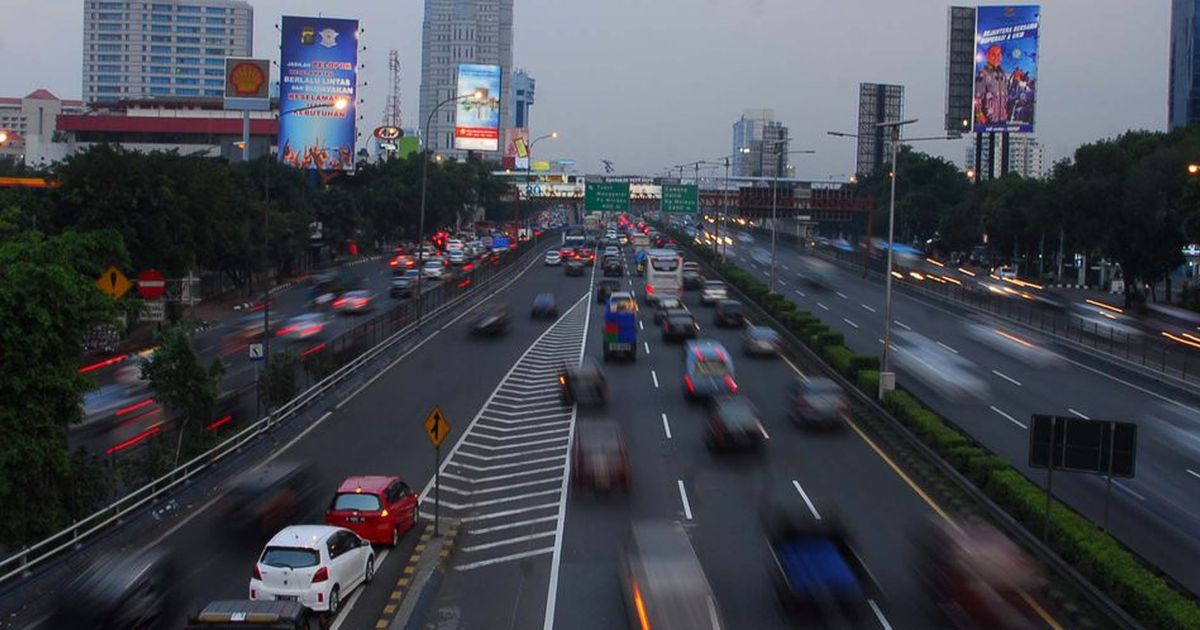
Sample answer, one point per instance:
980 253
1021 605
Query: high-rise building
877 102
523 87
455 32
760 144
29 124
1183 93
1026 157
161 48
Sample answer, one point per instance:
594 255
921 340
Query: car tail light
562 380
339 302
321 575
383 513
649 289
732 385
257 574
687 380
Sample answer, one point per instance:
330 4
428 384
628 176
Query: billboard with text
317 87
1006 60
516 147
477 117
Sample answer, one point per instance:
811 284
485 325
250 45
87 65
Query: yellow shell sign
247 79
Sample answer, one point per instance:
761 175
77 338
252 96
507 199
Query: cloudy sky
650 83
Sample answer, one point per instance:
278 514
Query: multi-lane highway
1155 513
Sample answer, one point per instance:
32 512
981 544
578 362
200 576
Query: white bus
664 274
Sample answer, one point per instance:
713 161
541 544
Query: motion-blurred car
456 257
664 585
679 325
433 269
304 327
599 460
316 565
665 305
379 509
244 614
692 279
120 590
614 267
552 259
573 267
605 288
612 250
354 303
761 341
951 375
733 424
708 370
264 499
729 314
1103 322
714 291
818 403
491 321
544 305
584 384
404 286
1017 344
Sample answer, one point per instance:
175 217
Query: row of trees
1131 200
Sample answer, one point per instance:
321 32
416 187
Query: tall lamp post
476 96
775 199
887 378
529 168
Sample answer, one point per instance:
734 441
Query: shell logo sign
247 83
247 79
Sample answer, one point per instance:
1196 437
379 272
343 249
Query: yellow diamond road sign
113 283
436 426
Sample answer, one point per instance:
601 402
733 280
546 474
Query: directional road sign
113 283
256 351
151 284
606 197
683 199
436 427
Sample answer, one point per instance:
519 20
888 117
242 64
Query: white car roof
304 536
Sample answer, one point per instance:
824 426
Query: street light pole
774 201
529 169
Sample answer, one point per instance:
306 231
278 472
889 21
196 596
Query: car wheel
369 573
335 601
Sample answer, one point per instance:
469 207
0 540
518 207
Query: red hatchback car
379 509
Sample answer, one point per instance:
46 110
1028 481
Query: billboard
1006 57
247 83
318 68
477 121
516 147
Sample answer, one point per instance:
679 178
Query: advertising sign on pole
606 197
1006 63
477 120
247 83
319 60
516 146
683 199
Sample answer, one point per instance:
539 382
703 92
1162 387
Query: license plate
354 519
619 347
287 598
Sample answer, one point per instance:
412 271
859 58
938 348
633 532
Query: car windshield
290 557
714 368
359 501
737 413
763 334
681 320
712 286
667 304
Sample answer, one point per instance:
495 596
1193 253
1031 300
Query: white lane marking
849 322
523 473
531 521
879 615
654 375
1129 490
804 495
1078 414
344 613
1007 377
687 507
491 515
666 426
1010 418
509 558
901 324
785 267
822 306
782 283
641 326
647 345
763 430
947 347
800 293
867 307
511 486
841 295
1193 473
506 541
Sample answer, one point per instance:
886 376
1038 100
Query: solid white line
947 347
867 307
666 426
654 376
803 495
800 293
850 322
879 615
1193 473
497 528
1007 378
841 295
1010 418
822 306
647 345
901 324
687 508
1078 414
640 325
782 283
506 541
763 430
1129 490
515 556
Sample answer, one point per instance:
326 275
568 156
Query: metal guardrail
22 562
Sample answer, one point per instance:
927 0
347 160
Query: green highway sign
683 199
606 197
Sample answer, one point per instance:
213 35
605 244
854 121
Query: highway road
1155 513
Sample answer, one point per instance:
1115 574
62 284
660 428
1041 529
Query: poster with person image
1006 60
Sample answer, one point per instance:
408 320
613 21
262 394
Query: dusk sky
650 83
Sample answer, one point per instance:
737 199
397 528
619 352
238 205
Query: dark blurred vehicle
379 509
664 305
304 327
692 278
573 267
977 577
599 460
664 585
492 320
614 267
733 424
708 370
761 341
544 305
605 288
712 292
354 302
120 591
730 313
819 577
333 285
403 287
584 384
818 403
247 329
236 614
679 325
262 500
612 250
587 254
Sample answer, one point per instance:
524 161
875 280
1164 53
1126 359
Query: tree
183 386
281 378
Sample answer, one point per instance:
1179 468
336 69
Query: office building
877 102
1183 92
1026 157
29 124
161 48
455 32
523 87
760 145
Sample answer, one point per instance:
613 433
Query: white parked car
553 258
316 565
457 257
433 269
714 291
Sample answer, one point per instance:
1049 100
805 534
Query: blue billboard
477 119
1006 60
317 86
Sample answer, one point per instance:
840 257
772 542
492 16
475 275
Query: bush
830 338
868 381
839 357
862 362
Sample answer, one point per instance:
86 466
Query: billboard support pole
978 157
245 135
1004 153
991 170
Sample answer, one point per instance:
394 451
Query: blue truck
620 326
